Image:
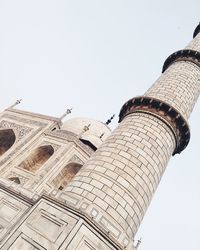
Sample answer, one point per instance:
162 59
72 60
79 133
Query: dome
88 130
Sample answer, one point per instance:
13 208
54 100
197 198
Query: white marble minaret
118 182
44 204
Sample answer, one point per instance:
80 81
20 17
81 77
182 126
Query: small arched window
15 179
37 158
66 175
7 139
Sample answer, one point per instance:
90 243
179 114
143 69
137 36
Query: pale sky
93 56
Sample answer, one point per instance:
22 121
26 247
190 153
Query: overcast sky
93 56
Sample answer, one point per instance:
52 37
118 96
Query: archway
7 139
39 156
66 175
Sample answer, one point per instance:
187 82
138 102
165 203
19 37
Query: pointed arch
37 158
66 175
7 139
15 179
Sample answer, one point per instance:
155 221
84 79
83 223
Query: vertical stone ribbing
115 187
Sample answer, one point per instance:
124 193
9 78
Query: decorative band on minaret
165 112
182 55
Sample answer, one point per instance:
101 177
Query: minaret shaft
118 182
179 86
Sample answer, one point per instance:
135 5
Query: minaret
117 183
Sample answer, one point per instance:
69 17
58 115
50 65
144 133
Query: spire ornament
67 112
110 120
85 129
138 243
16 103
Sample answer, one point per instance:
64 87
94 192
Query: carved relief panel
49 226
46 227
11 210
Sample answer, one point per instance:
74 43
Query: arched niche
66 174
7 139
15 179
37 158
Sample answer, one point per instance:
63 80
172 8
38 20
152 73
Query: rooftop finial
138 243
109 120
67 112
101 136
85 129
16 103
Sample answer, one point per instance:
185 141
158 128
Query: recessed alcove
7 139
66 175
37 158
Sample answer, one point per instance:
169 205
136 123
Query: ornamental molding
27 121
182 55
164 112
20 131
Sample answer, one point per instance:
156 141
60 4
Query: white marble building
76 185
